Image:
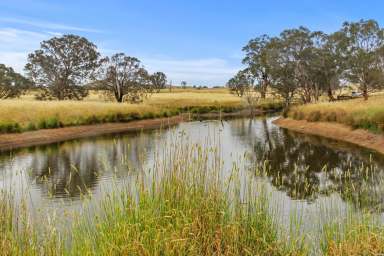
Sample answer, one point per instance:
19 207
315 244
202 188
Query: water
303 173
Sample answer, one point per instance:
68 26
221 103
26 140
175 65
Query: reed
185 205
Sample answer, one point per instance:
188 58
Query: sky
198 41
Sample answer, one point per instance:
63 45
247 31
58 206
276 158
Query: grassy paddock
26 114
356 113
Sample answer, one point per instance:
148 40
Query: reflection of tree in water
305 167
74 168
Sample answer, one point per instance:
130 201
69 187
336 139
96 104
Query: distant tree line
305 64
67 67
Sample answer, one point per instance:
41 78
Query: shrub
53 122
9 127
30 127
148 115
331 116
314 116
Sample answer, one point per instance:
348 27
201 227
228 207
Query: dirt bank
335 131
41 137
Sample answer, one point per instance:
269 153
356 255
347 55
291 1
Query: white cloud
16 60
211 71
48 25
15 44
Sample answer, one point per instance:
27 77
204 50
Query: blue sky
198 41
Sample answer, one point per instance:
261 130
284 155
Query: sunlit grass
356 113
355 236
27 114
196 98
23 114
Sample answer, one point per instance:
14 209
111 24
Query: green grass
189 208
181 218
187 211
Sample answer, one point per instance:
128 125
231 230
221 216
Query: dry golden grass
194 90
24 112
28 114
356 113
358 242
364 244
195 98
26 109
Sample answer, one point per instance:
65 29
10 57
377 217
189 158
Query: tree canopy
158 80
304 64
62 66
12 84
124 76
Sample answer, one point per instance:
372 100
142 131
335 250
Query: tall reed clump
186 208
355 113
7 233
17 235
184 205
187 212
355 236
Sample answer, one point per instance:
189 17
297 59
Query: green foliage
240 83
50 123
365 52
61 66
257 60
12 84
9 128
158 81
304 64
125 78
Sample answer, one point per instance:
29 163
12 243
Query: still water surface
304 173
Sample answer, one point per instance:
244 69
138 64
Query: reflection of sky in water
55 176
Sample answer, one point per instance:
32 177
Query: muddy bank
335 131
47 136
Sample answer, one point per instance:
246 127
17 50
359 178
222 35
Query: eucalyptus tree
123 76
183 84
158 81
144 86
256 58
366 52
282 64
243 85
299 46
239 83
12 84
317 60
62 66
329 63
